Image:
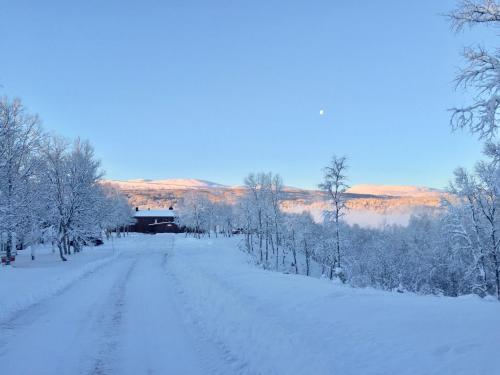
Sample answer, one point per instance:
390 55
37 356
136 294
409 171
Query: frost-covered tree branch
470 13
481 76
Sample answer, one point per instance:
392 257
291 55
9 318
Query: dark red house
155 221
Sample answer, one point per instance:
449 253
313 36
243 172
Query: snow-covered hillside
167 304
167 184
370 205
192 183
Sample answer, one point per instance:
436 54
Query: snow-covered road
119 319
167 304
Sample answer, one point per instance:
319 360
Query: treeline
50 187
452 254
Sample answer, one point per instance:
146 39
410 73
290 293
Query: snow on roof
162 212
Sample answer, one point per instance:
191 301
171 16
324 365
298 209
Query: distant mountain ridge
369 205
166 184
193 183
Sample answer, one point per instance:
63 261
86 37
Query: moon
321 112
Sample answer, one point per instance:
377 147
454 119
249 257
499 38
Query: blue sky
216 89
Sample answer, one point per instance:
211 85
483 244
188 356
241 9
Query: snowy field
167 304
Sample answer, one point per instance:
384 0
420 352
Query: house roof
155 213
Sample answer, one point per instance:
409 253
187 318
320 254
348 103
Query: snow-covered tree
71 180
335 185
20 138
262 211
304 236
226 220
477 224
481 75
195 213
50 187
114 212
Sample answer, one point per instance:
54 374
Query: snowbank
28 282
272 323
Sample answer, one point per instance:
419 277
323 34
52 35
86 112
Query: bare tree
263 214
71 176
255 186
480 193
335 185
467 228
49 188
20 137
194 213
482 73
470 13
276 197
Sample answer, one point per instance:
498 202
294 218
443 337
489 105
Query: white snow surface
167 304
155 213
27 282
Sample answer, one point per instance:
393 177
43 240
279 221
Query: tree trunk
260 237
8 249
306 251
294 252
497 272
494 246
67 245
337 234
277 253
267 247
60 246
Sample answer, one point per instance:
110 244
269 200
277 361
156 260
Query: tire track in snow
58 334
34 312
153 337
10 318
211 293
213 353
109 324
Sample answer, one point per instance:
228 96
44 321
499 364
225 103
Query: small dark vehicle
94 241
